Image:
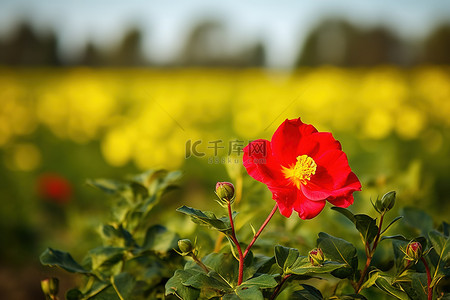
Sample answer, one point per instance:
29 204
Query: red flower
54 188
303 168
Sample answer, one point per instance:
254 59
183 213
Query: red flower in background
303 168
54 188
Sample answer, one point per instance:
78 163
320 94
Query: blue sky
281 24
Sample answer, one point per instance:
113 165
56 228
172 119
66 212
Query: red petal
286 139
333 177
306 208
343 201
332 170
316 144
261 165
285 199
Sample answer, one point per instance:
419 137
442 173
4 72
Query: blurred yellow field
146 116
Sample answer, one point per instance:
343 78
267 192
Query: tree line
333 41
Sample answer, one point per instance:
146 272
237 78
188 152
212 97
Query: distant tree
92 56
327 44
256 55
374 47
338 42
206 45
129 51
25 47
436 47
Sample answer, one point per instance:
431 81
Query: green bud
386 202
225 191
50 286
413 251
316 257
185 246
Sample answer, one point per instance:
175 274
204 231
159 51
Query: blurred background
109 88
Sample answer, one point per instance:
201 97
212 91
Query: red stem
236 242
260 230
369 256
278 288
430 289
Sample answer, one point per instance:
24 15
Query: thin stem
408 264
236 242
279 286
377 238
430 289
260 230
363 274
369 256
200 263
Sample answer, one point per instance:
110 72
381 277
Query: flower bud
185 246
413 251
316 257
225 191
386 202
50 286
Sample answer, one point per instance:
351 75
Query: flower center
301 172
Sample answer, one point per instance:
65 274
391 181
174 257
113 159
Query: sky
282 25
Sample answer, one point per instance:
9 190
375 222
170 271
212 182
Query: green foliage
136 259
207 218
142 260
341 251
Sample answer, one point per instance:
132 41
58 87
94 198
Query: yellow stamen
301 172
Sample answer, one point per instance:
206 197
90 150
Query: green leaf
415 285
159 239
155 180
105 256
339 250
352 297
225 265
394 237
61 259
441 245
108 186
262 264
118 237
383 284
308 293
303 266
392 222
373 276
207 218
367 226
96 288
285 256
108 293
212 280
124 284
175 285
345 212
264 281
249 293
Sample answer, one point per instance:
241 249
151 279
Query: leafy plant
303 169
135 259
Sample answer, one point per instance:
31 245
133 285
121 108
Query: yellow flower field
146 115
